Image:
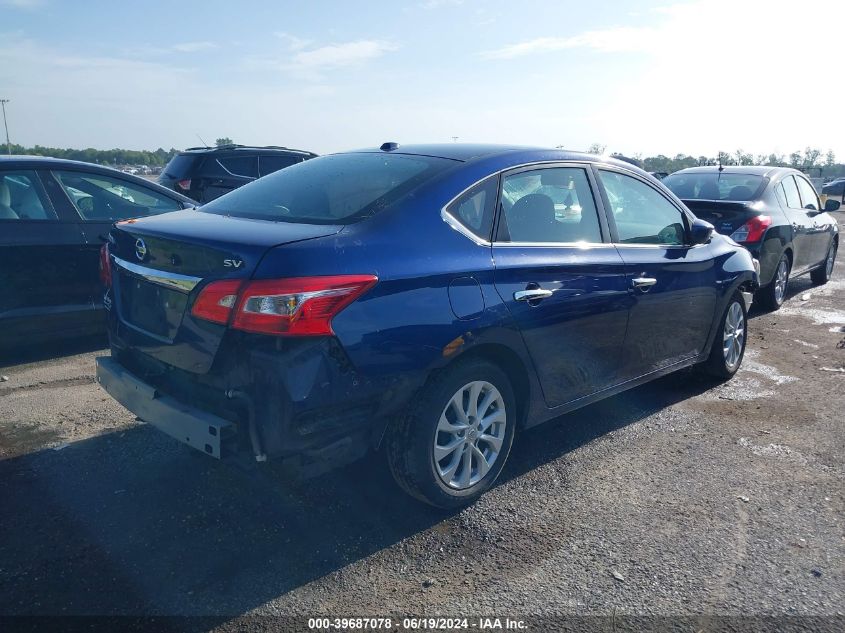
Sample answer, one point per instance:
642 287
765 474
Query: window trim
685 213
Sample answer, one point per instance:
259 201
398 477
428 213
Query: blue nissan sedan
421 302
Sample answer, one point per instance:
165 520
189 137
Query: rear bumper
204 431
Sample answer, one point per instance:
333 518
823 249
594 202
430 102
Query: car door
42 269
561 279
820 225
220 175
672 284
802 226
96 201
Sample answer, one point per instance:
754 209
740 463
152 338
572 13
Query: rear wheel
729 343
773 295
823 273
453 442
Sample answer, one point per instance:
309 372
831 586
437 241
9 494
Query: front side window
475 208
790 191
642 215
809 199
23 198
548 205
335 189
104 198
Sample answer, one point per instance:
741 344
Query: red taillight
184 185
105 266
300 306
216 301
753 230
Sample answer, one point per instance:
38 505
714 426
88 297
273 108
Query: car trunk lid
726 216
161 264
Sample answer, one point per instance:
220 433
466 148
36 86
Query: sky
640 77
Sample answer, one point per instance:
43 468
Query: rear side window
180 166
790 191
809 199
336 189
269 164
548 205
23 198
103 198
642 215
245 166
475 208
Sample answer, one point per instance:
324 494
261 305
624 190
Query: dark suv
206 173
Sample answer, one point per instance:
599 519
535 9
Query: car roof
270 149
47 162
748 170
471 152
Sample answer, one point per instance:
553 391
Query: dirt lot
681 497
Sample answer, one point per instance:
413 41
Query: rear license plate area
150 307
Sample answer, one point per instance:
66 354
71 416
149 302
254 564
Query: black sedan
54 216
774 212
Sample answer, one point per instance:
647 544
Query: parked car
206 173
427 301
774 212
54 216
835 190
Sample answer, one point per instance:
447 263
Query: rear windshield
180 165
336 189
715 186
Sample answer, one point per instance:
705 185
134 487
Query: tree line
811 160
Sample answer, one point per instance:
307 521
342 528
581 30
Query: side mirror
701 232
832 205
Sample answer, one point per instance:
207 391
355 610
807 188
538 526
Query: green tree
811 157
223 141
596 148
829 158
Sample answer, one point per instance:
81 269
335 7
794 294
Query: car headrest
709 191
531 218
740 192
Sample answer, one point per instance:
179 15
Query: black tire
410 440
717 364
770 297
823 273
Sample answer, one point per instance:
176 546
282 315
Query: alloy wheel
733 335
781 278
469 435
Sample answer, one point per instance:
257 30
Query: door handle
643 283
532 295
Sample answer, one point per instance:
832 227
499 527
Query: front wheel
728 346
773 295
823 273
453 441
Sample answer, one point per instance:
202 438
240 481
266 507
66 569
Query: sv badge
233 263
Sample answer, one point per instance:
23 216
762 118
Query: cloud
294 43
193 47
311 64
22 4
611 40
437 4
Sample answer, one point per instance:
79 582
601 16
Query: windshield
336 189
713 186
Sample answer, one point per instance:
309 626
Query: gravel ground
680 498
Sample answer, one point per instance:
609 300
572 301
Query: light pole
3 103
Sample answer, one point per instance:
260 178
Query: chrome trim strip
454 223
174 281
579 245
